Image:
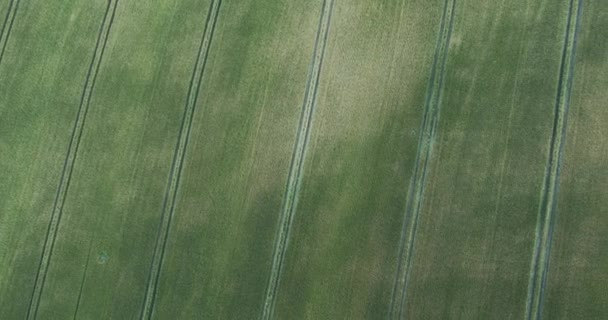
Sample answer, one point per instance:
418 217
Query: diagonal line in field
420 171
7 25
292 189
170 196
70 160
83 279
548 200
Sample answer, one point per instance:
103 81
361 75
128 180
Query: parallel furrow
7 25
292 188
428 132
546 216
82 281
178 160
70 159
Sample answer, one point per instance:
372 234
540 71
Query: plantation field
360 158
316 159
577 278
219 249
40 92
477 223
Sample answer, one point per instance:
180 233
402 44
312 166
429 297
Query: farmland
317 159
41 93
577 279
478 220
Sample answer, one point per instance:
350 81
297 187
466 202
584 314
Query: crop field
313 159
577 281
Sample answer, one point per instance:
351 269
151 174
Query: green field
40 94
577 278
478 220
315 159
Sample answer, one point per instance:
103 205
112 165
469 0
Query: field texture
477 224
359 161
220 243
314 159
577 277
40 95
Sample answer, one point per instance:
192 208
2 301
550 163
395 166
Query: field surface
314 159
40 93
477 223
577 280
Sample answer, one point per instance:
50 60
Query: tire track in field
7 25
170 196
296 166
428 132
548 203
82 281
70 160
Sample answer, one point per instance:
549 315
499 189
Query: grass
39 98
576 285
546 219
9 12
296 166
178 159
114 205
423 155
227 210
4 18
339 261
477 226
318 159
68 165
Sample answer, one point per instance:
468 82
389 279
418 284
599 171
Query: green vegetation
40 91
546 221
476 233
342 256
577 279
8 10
296 166
219 252
68 166
426 140
113 207
178 159
317 159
